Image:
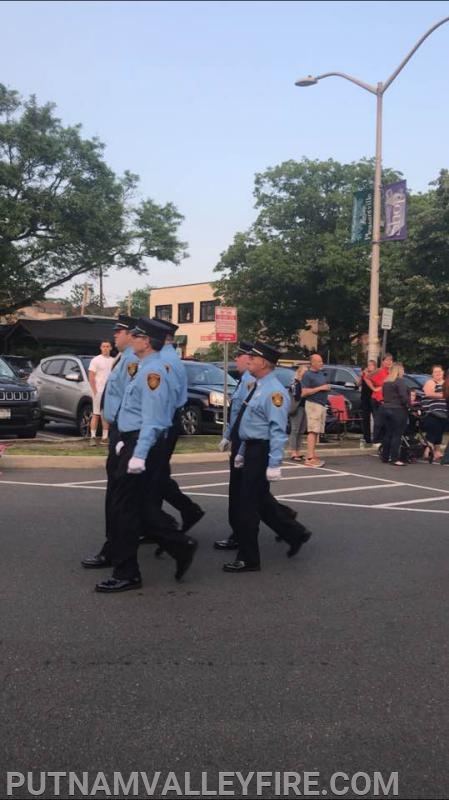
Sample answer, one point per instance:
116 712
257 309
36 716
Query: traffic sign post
387 319
225 331
386 325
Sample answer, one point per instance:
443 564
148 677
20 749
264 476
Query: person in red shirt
376 382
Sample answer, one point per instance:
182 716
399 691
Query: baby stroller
414 441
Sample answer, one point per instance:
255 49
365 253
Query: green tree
215 352
416 283
77 295
137 302
63 212
295 263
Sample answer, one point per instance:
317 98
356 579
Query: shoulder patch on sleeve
132 368
277 399
153 380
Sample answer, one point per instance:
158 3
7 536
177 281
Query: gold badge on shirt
277 399
133 366
153 380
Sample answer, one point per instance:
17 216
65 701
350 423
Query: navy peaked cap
125 323
265 351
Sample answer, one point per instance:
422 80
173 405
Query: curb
97 462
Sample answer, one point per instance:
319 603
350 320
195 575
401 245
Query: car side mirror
75 377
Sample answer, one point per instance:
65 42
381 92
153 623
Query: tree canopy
63 211
137 303
295 263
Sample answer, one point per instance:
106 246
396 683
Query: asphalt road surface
334 661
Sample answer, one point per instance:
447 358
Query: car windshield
85 360
420 379
411 382
206 375
6 371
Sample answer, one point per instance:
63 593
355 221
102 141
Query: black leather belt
129 436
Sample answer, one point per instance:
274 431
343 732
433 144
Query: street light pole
379 90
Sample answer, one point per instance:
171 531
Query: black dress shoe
96 562
240 566
185 557
302 539
226 544
192 518
118 585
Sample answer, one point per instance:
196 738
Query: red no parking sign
225 324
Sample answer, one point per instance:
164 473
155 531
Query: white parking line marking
403 483
363 505
30 483
413 502
348 489
80 483
207 494
202 486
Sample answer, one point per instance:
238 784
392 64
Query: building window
207 310
164 312
185 312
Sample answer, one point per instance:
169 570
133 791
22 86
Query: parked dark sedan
203 412
19 405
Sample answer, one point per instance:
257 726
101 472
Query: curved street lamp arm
364 85
408 57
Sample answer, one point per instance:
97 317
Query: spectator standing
435 410
99 371
297 415
395 414
366 390
378 380
445 460
315 391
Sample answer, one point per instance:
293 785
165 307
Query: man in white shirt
99 370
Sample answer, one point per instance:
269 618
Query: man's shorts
316 417
96 403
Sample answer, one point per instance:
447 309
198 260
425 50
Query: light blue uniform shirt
145 404
177 375
266 417
241 393
116 384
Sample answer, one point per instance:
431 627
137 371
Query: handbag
294 405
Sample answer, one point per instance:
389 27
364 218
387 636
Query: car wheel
83 420
190 420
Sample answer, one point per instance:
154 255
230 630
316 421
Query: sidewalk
350 446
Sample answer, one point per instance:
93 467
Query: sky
199 97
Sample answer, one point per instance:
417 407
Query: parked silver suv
64 391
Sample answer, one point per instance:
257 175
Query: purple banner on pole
394 197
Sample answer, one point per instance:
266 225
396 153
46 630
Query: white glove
224 445
136 466
239 461
119 447
273 474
